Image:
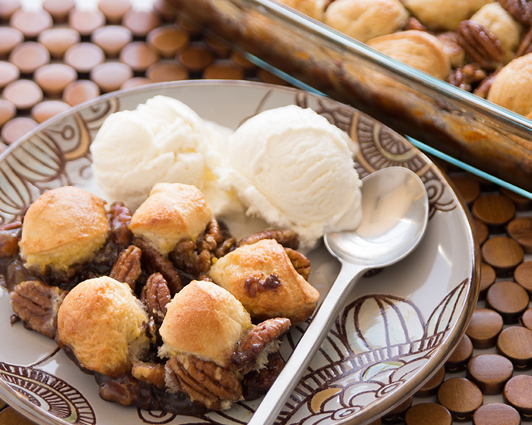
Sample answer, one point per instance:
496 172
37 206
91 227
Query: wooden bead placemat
58 57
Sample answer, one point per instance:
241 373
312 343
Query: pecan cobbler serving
164 307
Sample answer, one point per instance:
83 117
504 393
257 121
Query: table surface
499 214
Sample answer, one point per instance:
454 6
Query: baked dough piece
173 212
502 25
103 323
415 48
366 19
312 8
443 15
263 278
206 321
63 227
512 86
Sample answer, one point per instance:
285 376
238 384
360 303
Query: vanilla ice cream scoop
162 140
294 169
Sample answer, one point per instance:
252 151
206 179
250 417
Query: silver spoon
394 218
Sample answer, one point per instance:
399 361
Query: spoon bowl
394 208
394 218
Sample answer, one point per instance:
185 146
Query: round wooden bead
430 387
114 10
45 110
457 361
496 414
493 209
31 22
467 186
526 319
515 343
168 40
8 73
138 56
8 7
223 71
503 254
166 71
59 9
17 128
487 278
490 372
461 397
111 75
507 298
7 111
428 414
523 275
484 328
85 22
219 47
135 82
9 39
112 39
518 393
520 229
398 413
521 203
84 56
29 56
80 91
24 94
58 40
196 58
141 22
482 231
53 78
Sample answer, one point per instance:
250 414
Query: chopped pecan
257 382
466 76
204 381
484 87
155 296
299 261
124 390
255 341
151 373
195 258
127 267
287 238
525 46
521 10
480 44
253 285
120 217
8 243
155 262
37 305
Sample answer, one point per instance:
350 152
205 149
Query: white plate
397 328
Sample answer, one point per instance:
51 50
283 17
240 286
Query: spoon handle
308 345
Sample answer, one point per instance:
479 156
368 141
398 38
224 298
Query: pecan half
485 85
195 258
466 76
480 44
299 261
151 373
257 382
256 340
204 381
155 262
127 267
525 46
521 10
155 296
286 237
120 217
253 285
37 304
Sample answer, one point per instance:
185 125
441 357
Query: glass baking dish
449 120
